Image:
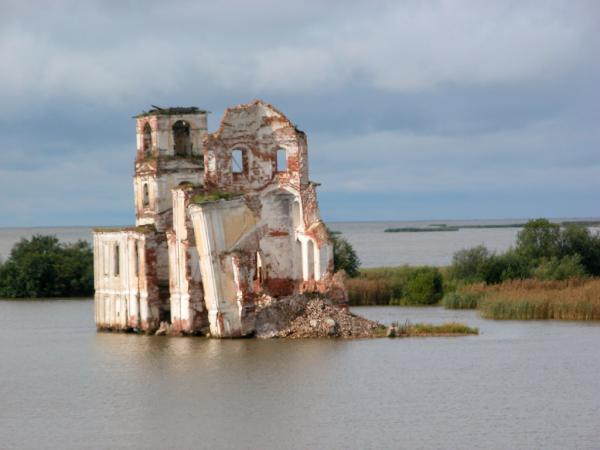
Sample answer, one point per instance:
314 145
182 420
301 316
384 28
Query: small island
445 227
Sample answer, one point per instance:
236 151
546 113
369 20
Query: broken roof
173 110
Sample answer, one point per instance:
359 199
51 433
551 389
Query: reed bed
368 292
466 297
575 299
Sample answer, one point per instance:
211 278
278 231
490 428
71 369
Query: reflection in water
517 385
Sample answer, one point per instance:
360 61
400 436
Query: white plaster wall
119 295
180 297
216 233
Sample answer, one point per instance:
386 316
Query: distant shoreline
445 227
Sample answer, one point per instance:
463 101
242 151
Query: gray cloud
397 97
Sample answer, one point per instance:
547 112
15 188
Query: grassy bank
576 299
552 272
572 299
409 329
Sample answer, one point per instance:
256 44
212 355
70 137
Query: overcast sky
413 109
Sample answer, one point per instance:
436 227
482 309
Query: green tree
467 263
43 267
478 264
539 238
344 255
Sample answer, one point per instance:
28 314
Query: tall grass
575 299
367 292
402 285
408 329
465 297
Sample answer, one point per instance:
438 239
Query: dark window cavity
182 138
147 140
117 258
146 195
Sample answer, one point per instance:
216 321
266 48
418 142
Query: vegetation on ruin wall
214 196
44 267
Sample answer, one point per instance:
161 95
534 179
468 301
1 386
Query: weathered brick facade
221 219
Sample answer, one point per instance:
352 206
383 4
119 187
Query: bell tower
169 152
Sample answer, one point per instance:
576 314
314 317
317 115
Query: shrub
388 286
543 251
560 268
423 286
468 264
478 264
577 239
514 266
42 267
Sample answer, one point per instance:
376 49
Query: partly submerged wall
128 292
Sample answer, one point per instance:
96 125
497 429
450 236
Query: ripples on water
517 385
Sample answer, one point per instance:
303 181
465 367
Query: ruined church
222 221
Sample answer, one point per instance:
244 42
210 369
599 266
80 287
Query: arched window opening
281 160
147 140
146 196
310 257
181 138
260 272
237 160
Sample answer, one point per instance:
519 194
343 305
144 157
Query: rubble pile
297 316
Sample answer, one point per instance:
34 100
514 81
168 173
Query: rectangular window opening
237 161
105 259
281 160
146 195
117 258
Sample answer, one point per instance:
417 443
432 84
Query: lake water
516 385
525 385
374 247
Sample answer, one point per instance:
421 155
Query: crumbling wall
258 130
188 311
218 227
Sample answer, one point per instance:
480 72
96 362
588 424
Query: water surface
517 385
